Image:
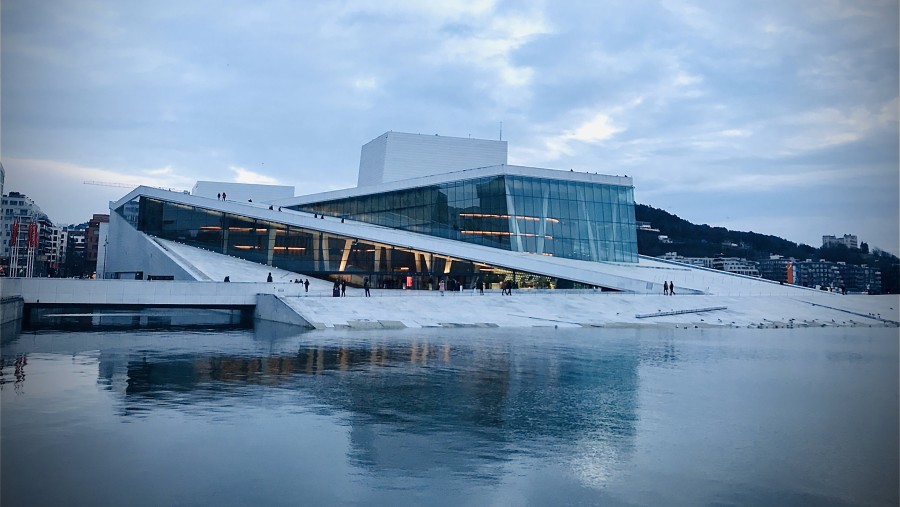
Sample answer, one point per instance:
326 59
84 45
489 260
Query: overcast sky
778 117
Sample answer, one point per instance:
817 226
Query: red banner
15 233
33 235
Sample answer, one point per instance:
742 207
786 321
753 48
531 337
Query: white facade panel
396 156
371 161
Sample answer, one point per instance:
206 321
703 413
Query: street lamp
105 245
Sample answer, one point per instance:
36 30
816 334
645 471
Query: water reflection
411 404
19 363
445 417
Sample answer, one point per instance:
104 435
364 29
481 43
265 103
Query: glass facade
317 253
570 219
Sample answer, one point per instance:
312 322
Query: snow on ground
401 308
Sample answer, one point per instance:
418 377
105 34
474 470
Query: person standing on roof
306 284
269 278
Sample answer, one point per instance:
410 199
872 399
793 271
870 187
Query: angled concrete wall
11 309
131 250
273 309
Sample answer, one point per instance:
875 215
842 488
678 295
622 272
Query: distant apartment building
73 264
645 226
703 262
835 275
775 268
92 236
735 265
861 279
61 245
19 209
848 240
730 264
55 250
821 273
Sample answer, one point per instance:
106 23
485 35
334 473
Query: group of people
269 279
304 283
668 288
339 289
220 197
506 288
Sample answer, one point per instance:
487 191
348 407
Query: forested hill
691 240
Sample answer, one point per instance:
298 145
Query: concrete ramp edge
273 308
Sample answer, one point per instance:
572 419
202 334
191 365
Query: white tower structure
395 156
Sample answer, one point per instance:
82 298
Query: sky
767 116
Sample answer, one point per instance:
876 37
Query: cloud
826 127
689 98
242 175
59 187
735 133
490 47
594 129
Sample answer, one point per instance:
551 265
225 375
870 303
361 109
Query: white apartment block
735 265
17 207
848 240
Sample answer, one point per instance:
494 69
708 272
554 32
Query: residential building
702 262
74 264
735 265
775 268
820 273
17 208
847 240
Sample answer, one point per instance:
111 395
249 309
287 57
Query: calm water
451 417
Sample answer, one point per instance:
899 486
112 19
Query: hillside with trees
692 240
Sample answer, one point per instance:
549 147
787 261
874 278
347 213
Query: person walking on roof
343 288
269 278
441 286
665 288
306 285
671 288
219 196
366 286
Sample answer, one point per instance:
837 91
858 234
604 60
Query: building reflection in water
411 405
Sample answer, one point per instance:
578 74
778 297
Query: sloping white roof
645 276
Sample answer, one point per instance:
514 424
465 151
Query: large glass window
321 254
575 220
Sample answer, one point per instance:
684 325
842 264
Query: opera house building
426 208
